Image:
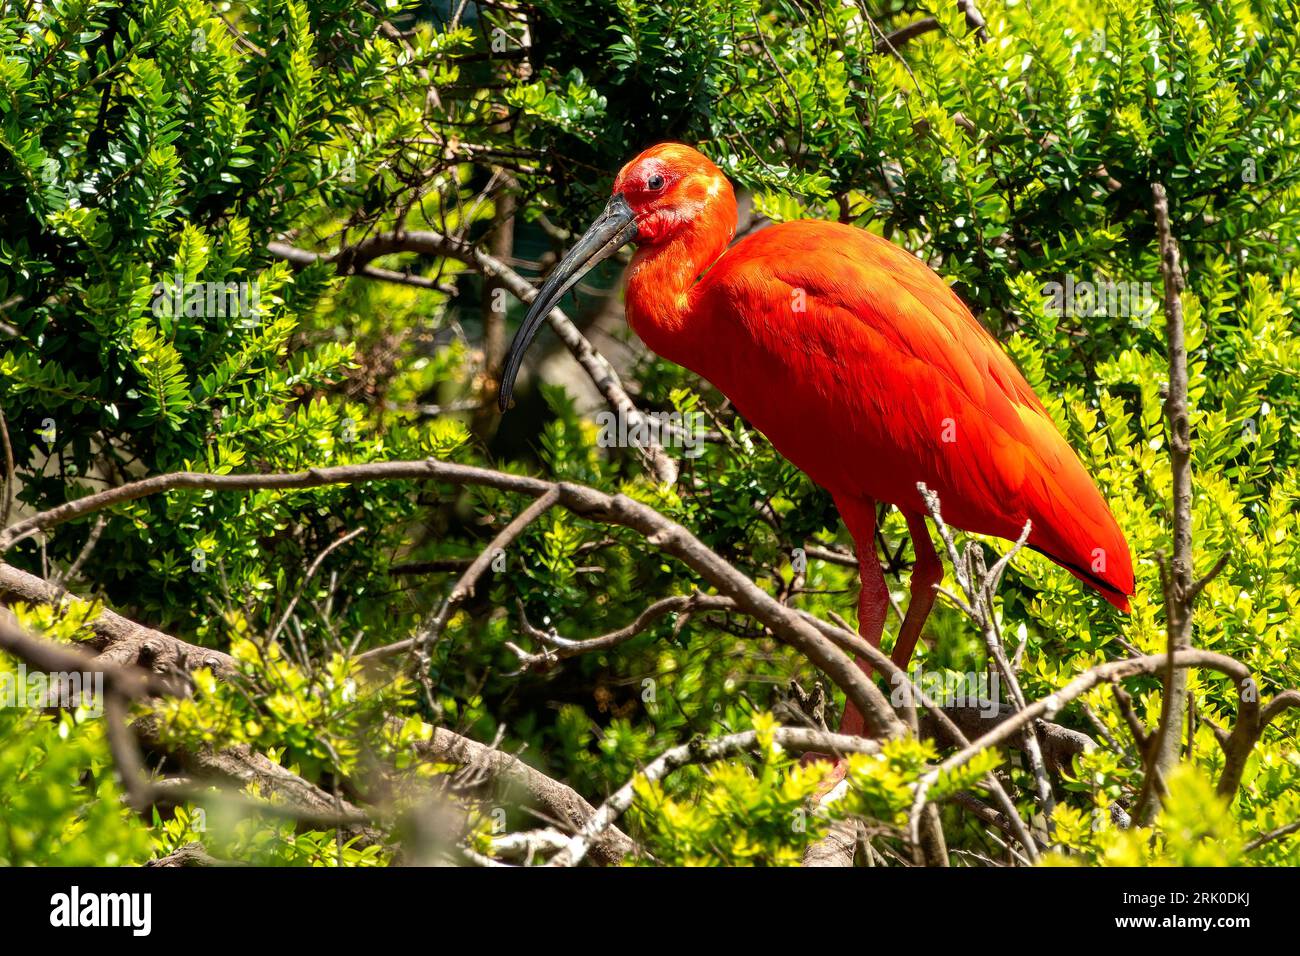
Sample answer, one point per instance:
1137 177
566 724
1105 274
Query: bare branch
659 532
1272 835
558 648
464 587
892 41
428 242
1179 590
311 572
1199 585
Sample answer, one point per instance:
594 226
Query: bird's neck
661 286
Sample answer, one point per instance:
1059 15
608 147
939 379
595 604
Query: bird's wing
929 390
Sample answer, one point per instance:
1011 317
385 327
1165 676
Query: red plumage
860 365
863 368
866 371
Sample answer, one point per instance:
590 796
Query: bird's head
668 188
667 191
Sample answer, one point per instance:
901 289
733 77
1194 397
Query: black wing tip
1114 595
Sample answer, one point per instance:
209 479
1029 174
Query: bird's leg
873 599
926 573
873 605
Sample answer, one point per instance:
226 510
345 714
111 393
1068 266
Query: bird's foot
834 774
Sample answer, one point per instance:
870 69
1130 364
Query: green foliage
736 816
319 721
60 802
60 798
1195 828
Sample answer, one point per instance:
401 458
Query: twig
311 572
1272 835
87 549
464 587
11 476
558 648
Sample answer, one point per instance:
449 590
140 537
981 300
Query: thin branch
558 648
659 532
892 41
1199 585
125 749
311 572
1272 835
464 587
436 566
87 549
701 751
428 242
11 474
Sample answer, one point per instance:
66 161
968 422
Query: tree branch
559 648
1179 591
564 805
119 640
660 532
428 242
464 587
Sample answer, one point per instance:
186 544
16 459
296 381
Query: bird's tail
1080 534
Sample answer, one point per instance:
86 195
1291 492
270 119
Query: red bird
859 364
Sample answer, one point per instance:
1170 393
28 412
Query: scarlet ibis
859 364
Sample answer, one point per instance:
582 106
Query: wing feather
903 379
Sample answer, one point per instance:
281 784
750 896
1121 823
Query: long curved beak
615 228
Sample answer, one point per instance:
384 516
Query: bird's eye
655 182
